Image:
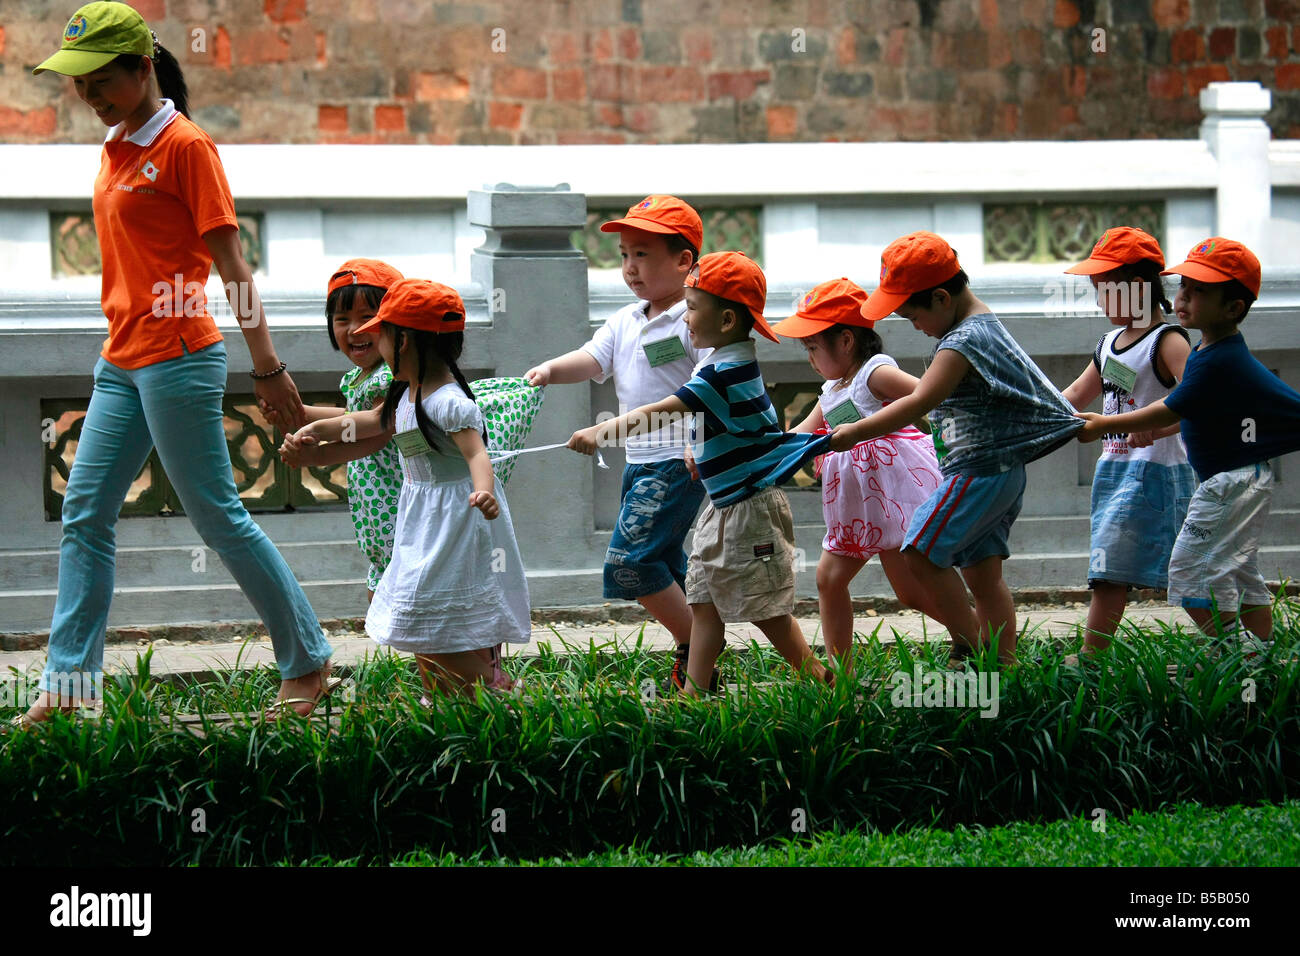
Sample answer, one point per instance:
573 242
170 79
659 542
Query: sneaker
1254 650
959 655
677 679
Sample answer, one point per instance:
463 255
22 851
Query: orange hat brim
645 225
764 329
800 327
1198 271
881 303
374 323
1092 267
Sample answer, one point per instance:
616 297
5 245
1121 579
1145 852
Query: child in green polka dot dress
374 465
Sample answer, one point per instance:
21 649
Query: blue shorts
1138 509
659 504
967 518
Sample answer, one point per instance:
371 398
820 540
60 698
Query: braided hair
444 347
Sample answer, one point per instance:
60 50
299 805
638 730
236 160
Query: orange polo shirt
158 191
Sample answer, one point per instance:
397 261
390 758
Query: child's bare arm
890 384
647 418
312 413
576 366
1153 416
483 497
814 421
351 427
938 382
1172 357
332 453
1083 391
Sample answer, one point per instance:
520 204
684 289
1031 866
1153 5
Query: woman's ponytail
171 81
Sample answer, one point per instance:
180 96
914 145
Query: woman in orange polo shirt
164 214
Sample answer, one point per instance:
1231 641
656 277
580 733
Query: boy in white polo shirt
647 348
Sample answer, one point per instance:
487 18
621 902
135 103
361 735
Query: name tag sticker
845 413
664 351
412 443
1117 373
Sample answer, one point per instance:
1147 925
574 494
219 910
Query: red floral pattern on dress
858 539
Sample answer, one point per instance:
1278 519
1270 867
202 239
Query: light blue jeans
176 406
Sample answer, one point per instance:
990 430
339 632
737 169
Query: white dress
456 581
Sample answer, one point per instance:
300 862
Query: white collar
674 311
147 133
743 351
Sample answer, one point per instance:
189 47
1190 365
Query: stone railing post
536 287
1238 137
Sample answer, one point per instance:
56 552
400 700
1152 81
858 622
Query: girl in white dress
455 589
870 491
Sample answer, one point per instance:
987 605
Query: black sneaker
677 679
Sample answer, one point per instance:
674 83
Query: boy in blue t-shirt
741 566
992 411
1235 415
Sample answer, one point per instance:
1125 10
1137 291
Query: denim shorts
659 504
1137 511
967 518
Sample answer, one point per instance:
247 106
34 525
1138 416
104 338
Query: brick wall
624 71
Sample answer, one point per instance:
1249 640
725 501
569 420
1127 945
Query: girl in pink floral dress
870 491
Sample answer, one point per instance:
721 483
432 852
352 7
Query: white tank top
833 399
1130 379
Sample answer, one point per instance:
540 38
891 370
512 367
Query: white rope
503 455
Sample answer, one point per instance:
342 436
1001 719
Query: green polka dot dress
374 482
509 406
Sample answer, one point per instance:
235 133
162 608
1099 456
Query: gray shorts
742 560
1213 561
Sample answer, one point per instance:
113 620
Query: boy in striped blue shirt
741 566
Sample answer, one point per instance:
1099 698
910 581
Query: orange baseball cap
1120 246
912 264
1220 260
734 276
364 272
663 214
420 304
828 304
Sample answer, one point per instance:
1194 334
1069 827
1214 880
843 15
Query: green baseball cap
96 35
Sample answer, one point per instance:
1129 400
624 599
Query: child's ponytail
1148 270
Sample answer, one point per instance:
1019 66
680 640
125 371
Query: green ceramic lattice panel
1060 232
74 246
264 482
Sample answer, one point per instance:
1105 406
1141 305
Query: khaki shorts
742 560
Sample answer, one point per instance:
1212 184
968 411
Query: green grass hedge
1190 835
582 763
